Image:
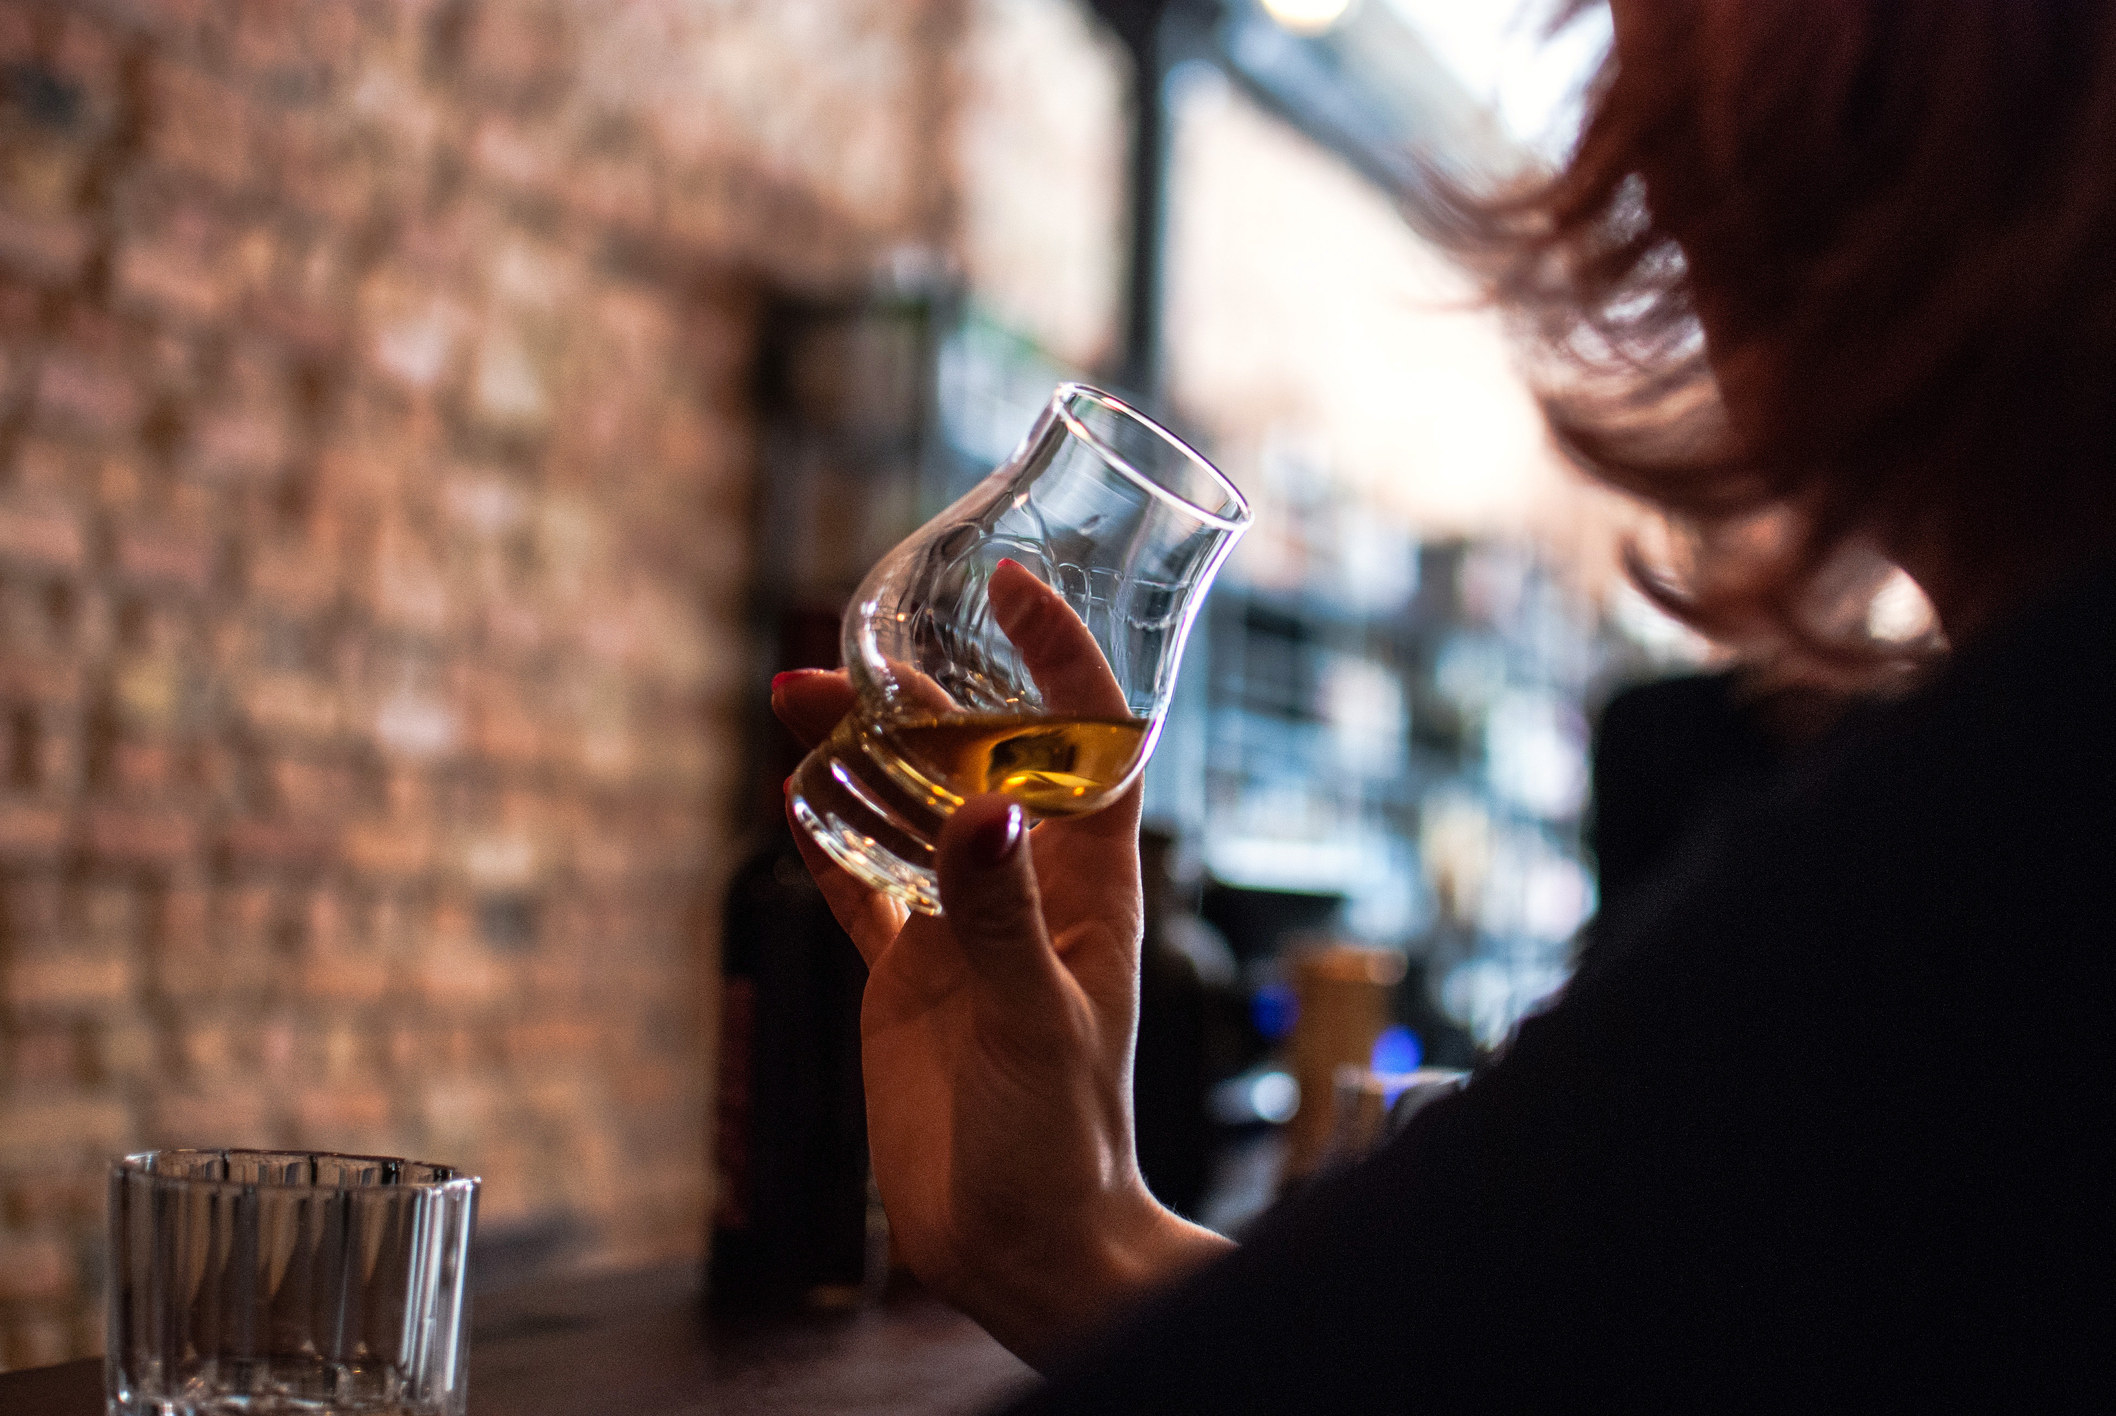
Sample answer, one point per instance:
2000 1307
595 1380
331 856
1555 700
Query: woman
1825 1120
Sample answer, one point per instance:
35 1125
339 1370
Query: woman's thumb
988 889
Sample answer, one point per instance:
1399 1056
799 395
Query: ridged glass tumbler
270 1282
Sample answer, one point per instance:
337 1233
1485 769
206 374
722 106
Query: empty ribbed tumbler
269 1282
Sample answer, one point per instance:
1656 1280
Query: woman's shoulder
1931 883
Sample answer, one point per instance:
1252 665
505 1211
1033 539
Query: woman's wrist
1157 1247
1039 1299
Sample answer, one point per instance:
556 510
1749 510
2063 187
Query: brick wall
373 472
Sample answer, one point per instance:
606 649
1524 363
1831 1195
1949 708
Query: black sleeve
1666 754
1482 1259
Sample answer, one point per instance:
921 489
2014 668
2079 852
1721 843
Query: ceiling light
1307 16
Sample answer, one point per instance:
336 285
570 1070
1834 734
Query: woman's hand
997 1038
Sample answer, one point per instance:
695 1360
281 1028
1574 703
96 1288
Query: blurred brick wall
373 472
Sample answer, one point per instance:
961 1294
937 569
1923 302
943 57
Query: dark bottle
1190 1006
792 1226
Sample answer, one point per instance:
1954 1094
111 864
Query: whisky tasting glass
280 1282
1025 641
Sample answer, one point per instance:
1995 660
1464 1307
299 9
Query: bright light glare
1900 613
1497 50
1307 16
1275 1096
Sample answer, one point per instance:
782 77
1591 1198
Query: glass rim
139 1164
1241 517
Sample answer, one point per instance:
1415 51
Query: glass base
266 1405
275 1386
868 822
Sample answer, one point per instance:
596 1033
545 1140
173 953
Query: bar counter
636 1343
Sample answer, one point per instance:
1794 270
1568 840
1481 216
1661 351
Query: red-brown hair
1896 221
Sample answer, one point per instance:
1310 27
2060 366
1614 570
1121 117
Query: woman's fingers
1056 645
811 701
870 917
988 886
1087 872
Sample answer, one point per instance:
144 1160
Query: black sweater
1824 1121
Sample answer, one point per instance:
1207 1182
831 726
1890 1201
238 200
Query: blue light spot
1396 1050
1273 1010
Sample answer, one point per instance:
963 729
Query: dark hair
1897 223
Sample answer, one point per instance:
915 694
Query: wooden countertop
636 1343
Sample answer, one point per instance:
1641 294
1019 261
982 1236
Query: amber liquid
1052 766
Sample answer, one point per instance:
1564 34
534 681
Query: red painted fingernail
778 680
995 840
1009 560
